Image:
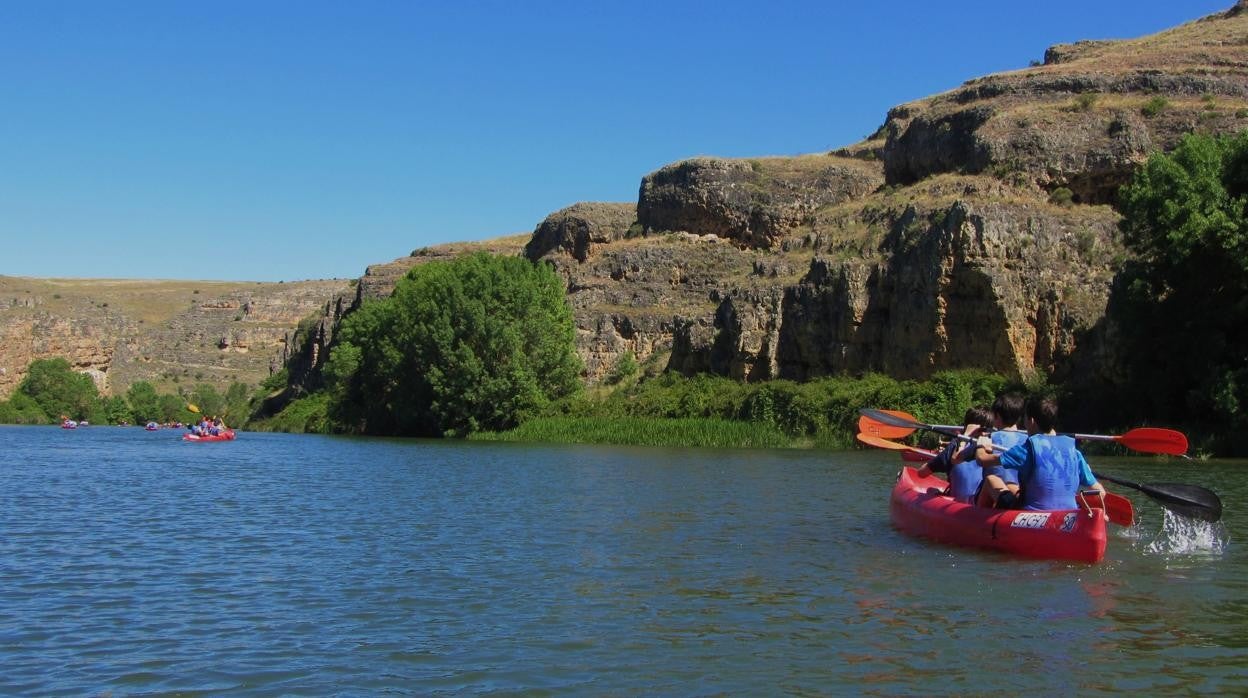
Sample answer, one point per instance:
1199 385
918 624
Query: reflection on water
277 565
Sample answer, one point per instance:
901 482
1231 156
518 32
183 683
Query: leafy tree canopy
478 342
58 389
1182 307
144 402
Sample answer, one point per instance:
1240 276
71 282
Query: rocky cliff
171 333
973 229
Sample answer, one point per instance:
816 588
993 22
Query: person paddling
1050 469
1007 417
957 460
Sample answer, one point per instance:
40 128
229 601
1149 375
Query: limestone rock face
577 229
996 287
753 203
170 333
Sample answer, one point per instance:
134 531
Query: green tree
144 402
210 402
1182 306
58 389
22 409
237 404
115 409
479 342
173 408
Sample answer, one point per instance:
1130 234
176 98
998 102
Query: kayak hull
223 436
914 457
918 508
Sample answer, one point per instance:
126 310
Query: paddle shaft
892 423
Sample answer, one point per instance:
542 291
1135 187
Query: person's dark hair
1009 407
978 415
1043 409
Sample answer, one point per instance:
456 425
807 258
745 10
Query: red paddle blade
873 427
1154 440
1119 509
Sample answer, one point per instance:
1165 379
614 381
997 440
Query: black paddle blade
1191 501
1186 500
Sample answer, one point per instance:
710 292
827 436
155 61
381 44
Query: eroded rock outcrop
754 203
1086 118
578 229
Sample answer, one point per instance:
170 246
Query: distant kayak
69 424
227 435
152 426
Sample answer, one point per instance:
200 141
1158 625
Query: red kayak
918 508
915 457
227 435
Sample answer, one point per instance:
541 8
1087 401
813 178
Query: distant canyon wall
174 334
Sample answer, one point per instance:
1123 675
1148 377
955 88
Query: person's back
957 460
1054 477
965 478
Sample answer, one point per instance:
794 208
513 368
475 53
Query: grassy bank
648 431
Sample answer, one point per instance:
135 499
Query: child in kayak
957 460
1007 417
1051 470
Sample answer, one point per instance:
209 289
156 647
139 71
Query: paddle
874 427
898 421
1145 440
1117 507
878 442
1186 500
1142 439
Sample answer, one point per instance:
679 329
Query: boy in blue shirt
1007 417
957 460
1050 469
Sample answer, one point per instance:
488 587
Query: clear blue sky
279 140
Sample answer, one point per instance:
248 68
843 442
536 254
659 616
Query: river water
133 563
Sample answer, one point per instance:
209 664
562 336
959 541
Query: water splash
1180 535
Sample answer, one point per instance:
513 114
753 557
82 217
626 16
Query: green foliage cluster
822 412
1182 304
1062 196
52 390
644 431
1155 106
478 342
306 415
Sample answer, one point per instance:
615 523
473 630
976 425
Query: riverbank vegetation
719 411
52 391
